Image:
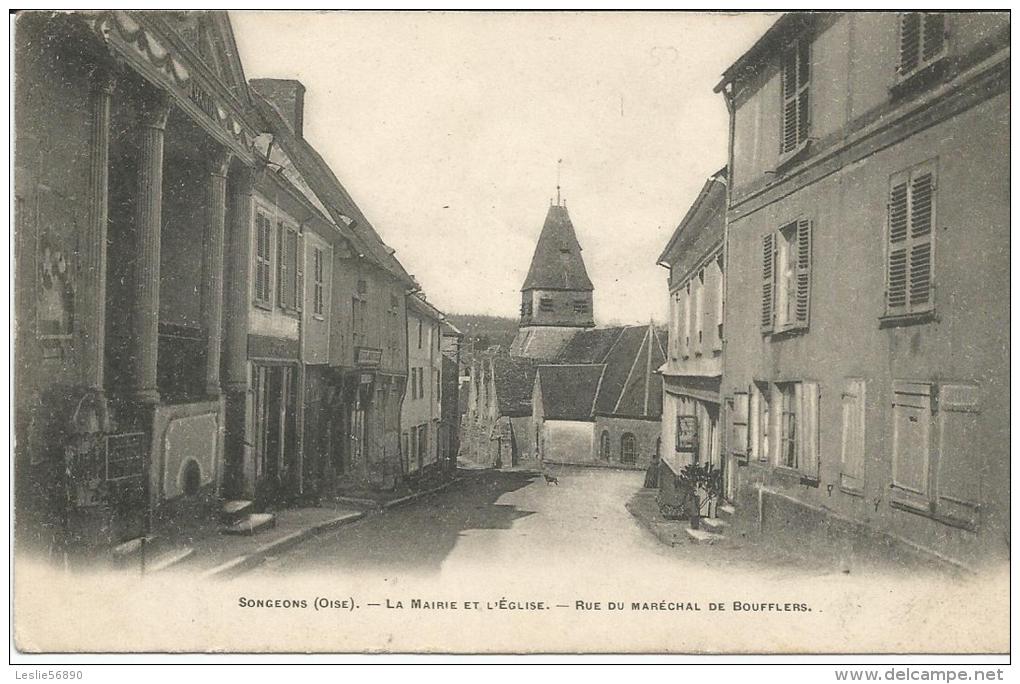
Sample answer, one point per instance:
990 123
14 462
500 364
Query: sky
448 128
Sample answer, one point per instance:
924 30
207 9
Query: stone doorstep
714 524
728 509
254 558
700 536
253 523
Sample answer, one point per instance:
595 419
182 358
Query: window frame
631 439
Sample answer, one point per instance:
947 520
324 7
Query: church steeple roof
557 263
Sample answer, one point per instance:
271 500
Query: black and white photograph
510 332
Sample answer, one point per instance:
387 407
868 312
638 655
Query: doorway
274 419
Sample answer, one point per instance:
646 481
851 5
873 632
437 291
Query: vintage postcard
511 332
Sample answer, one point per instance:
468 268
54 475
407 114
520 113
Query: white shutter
803 302
912 416
807 429
959 463
852 446
738 425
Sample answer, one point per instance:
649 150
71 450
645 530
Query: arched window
604 446
628 448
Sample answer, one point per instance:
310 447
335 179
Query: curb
236 566
419 495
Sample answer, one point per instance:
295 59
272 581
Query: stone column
92 267
152 116
239 286
212 269
238 269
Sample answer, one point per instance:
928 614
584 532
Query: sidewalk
373 500
220 555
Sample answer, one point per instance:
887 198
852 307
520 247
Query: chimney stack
288 96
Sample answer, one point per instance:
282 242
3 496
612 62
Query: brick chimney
288 96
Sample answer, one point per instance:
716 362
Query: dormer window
922 41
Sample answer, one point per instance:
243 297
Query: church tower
557 295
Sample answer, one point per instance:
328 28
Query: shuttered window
786 277
299 270
910 244
796 76
922 40
318 276
263 259
852 443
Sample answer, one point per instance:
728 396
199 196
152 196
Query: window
687 320
545 304
796 75
851 474
263 259
796 439
786 277
628 448
922 40
604 447
319 277
910 248
580 306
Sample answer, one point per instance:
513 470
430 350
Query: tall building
866 357
557 295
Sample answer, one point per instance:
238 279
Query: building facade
421 411
866 359
693 369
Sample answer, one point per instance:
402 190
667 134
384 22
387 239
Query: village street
515 522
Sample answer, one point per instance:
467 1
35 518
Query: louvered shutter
790 127
803 306
282 290
934 35
921 214
768 273
910 41
297 250
738 425
896 270
259 251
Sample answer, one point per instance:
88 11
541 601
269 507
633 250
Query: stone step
232 511
131 548
714 524
168 558
701 536
727 510
253 523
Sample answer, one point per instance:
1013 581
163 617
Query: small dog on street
551 479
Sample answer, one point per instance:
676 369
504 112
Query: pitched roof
702 228
567 390
641 395
514 379
557 262
590 346
314 169
542 342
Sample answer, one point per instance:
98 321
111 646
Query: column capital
153 109
219 162
103 79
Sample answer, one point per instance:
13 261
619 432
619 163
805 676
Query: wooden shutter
896 267
298 261
852 446
282 289
738 425
807 429
959 463
259 251
934 35
803 308
768 277
790 128
912 415
922 188
910 41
